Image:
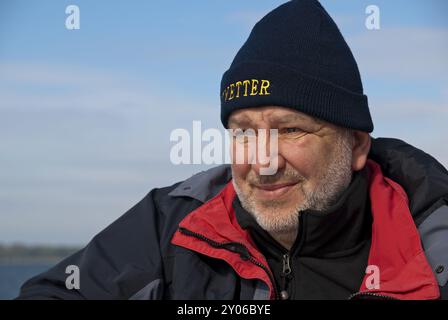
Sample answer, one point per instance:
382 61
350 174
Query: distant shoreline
34 254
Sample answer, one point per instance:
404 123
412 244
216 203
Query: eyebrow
241 119
289 118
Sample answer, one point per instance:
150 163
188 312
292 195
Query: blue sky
86 115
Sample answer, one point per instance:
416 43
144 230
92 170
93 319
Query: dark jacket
184 241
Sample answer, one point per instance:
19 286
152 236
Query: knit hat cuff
261 83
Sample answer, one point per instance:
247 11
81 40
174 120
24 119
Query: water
12 276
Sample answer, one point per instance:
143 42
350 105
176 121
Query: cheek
240 171
307 158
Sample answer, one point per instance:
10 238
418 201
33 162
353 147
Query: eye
292 130
237 133
244 135
242 132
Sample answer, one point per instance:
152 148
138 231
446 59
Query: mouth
274 191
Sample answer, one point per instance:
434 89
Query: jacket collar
215 220
396 249
423 178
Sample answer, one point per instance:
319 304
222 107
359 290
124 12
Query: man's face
314 166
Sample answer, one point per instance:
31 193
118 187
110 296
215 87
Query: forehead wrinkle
287 118
292 117
269 115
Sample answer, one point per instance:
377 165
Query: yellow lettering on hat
253 91
238 84
264 88
246 83
226 93
232 92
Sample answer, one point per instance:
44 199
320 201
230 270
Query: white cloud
406 108
419 122
402 53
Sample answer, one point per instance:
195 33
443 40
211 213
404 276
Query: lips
272 187
274 191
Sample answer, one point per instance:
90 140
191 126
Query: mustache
289 175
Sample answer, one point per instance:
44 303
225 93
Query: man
344 215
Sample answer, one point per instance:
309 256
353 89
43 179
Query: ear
361 148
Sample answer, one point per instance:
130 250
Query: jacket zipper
370 294
286 271
286 265
286 260
236 247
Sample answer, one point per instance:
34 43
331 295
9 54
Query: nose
268 159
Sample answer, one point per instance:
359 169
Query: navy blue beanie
296 57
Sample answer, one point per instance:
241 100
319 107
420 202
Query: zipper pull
286 271
286 265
